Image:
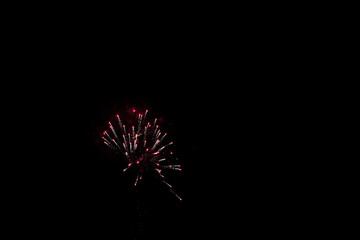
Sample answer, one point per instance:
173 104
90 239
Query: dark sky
69 183
62 181
74 185
152 210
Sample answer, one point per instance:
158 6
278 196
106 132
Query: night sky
63 181
150 210
74 185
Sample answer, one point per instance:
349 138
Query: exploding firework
142 146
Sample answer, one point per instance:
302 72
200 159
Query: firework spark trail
142 147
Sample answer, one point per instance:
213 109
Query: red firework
143 147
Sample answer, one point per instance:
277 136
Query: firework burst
143 146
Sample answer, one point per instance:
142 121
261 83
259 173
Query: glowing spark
143 149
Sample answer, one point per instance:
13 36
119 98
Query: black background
63 179
238 88
68 182
65 83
